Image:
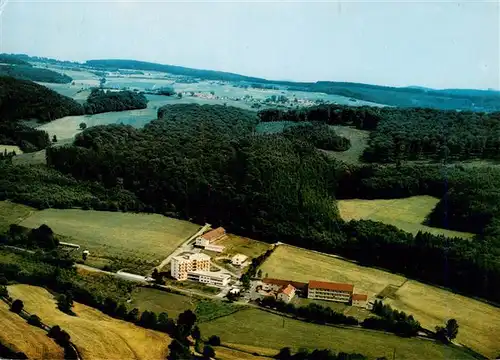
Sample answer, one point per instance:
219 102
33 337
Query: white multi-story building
182 265
209 278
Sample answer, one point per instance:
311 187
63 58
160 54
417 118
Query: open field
10 148
258 328
408 214
359 141
479 322
116 235
97 336
292 263
11 213
161 301
224 353
241 245
33 158
21 336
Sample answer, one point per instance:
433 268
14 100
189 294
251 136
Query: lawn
207 310
31 340
258 328
96 335
293 263
479 322
241 245
11 213
161 301
128 237
224 353
408 214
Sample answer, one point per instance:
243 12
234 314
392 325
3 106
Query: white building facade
209 278
182 265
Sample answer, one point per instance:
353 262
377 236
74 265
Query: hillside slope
96 335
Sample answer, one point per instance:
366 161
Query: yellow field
10 148
11 213
97 336
257 328
479 322
241 245
293 263
408 214
115 234
31 340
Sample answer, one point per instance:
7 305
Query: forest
100 101
409 134
276 187
319 135
28 72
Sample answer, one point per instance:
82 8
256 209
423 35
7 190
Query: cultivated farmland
259 328
21 336
408 214
114 235
97 336
479 322
293 263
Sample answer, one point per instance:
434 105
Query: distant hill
414 96
12 60
27 72
26 100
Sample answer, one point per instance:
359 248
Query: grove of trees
100 101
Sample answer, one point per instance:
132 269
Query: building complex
182 265
207 240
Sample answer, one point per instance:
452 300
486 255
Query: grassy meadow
10 148
162 301
261 329
129 237
235 244
20 336
408 214
479 322
12 213
293 263
96 335
359 141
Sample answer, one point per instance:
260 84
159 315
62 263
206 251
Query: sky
439 44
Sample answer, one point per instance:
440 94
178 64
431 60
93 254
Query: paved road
184 246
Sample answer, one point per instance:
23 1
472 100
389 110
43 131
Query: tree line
100 101
28 72
319 135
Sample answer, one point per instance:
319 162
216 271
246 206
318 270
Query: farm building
286 293
209 278
322 290
215 248
239 259
210 236
182 265
359 300
270 283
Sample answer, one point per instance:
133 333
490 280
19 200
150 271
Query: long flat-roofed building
209 278
210 236
322 290
181 265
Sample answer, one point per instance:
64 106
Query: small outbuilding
359 300
238 259
286 293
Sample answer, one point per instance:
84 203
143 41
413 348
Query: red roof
214 234
313 284
359 297
287 290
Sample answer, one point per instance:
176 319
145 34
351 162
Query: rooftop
211 274
288 290
197 257
359 297
313 284
240 257
214 234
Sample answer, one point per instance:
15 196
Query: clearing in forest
479 323
96 335
20 336
293 263
258 328
408 214
111 235
359 142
